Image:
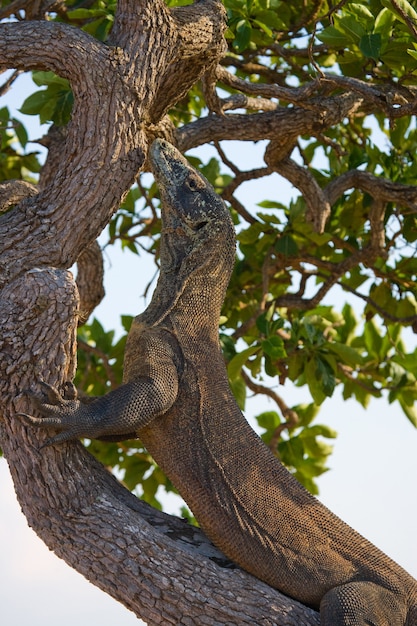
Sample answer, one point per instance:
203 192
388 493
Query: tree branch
52 46
290 416
74 504
89 349
33 9
278 124
241 101
14 191
318 206
394 100
4 88
238 179
289 94
377 187
92 148
90 275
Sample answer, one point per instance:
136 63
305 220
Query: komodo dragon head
197 238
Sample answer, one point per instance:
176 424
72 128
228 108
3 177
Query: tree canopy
324 290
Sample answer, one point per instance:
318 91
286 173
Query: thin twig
86 347
290 416
407 19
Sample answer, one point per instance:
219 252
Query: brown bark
90 276
282 124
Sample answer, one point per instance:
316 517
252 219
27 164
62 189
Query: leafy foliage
319 310
14 163
53 104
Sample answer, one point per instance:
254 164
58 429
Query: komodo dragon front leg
176 398
123 412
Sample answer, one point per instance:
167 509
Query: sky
371 484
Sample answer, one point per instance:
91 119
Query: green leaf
394 55
333 37
398 131
326 376
407 307
268 218
51 104
238 361
251 235
319 430
271 204
34 103
310 468
63 108
352 28
263 321
320 379
370 45
135 468
291 451
347 354
408 405
382 296
274 347
264 27
21 133
243 36
313 382
383 22
316 449
49 78
373 339
228 346
4 114
306 413
286 245
106 453
269 420
361 11
270 19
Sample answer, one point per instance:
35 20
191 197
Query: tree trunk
157 566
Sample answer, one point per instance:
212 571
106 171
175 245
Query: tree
310 80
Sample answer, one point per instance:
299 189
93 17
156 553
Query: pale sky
371 485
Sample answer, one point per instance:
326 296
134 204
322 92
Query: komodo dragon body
176 399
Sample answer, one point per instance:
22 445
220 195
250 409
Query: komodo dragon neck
197 248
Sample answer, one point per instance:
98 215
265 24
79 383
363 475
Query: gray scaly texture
176 398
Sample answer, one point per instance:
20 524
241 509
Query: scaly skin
177 400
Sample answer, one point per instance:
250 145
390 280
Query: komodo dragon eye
192 184
200 225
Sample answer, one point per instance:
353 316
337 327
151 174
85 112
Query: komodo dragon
176 399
